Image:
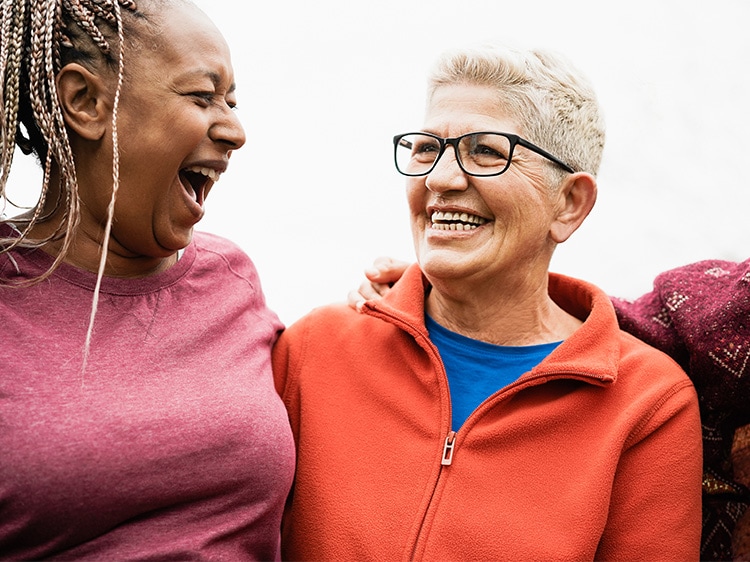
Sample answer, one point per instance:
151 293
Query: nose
228 129
447 175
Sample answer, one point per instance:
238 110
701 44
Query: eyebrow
215 78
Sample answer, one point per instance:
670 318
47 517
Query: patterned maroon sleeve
700 315
649 319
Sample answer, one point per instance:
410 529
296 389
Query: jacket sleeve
280 362
287 359
656 497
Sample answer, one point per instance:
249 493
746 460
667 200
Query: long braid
11 30
48 116
38 38
115 188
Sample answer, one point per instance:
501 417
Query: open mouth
446 220
197 181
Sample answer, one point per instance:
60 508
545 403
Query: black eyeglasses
480 154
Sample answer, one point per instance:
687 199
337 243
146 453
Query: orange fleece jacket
595 454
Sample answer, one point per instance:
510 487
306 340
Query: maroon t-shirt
172 444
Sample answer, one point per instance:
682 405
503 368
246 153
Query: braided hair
37 39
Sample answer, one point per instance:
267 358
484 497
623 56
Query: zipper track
449 445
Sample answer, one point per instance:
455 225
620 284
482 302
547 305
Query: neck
87 255
503 315
85 250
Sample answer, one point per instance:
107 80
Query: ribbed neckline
40 261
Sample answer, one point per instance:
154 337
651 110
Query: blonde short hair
553 103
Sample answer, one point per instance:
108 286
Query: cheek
416 194
132 207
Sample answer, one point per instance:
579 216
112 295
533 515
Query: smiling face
480 229
176 130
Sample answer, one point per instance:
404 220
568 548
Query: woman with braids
138 417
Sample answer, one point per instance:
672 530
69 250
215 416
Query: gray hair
552 101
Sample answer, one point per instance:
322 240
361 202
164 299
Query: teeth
453 226
447 220
210 173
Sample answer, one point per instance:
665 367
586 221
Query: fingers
355 300
386 271
381 276
367 291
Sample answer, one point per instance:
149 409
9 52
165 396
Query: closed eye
204 98
207 99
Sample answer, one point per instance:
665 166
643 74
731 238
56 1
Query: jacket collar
591 353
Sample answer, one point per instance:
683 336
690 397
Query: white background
323 86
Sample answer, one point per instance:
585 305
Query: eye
426 146
203 98
208 99
484 150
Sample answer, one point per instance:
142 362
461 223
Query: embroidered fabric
699 314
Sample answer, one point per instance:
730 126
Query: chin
442 265
176 241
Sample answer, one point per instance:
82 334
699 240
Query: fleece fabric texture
595 454
172 445
700 315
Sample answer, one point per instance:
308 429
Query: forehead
460 108
176 34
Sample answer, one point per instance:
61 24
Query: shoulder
329 333
327 322
685 298
651 388
219 254
651 362
705 273
319 338
601 345
222 266
207 242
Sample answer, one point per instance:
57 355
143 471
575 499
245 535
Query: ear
85 100
576 199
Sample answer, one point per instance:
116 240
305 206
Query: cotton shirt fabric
172 444
478 369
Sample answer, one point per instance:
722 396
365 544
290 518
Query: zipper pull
450 442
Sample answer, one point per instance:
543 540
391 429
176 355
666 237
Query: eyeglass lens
478 153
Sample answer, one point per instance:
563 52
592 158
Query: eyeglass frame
454 141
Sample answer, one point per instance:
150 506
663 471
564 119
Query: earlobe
577 198
84 99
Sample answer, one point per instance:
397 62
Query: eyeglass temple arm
405 143
546 154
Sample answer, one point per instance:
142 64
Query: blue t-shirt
477 369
